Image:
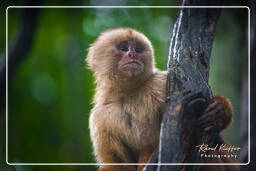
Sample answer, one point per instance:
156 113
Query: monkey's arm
218 115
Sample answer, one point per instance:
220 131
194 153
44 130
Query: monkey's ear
228 109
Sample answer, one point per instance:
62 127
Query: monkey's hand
217 116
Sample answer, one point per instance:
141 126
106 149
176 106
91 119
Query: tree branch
188 70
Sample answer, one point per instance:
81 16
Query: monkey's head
121 53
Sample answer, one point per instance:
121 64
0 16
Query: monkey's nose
131 54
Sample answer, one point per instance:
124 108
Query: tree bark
188 70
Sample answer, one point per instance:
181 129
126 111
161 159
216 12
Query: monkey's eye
138 49
122 47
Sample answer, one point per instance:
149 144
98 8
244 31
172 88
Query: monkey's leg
116 156
144 157
112 158
114 151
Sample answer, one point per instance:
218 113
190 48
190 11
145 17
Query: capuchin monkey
130 100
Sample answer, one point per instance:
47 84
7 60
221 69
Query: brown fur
125 120
126 116
229 110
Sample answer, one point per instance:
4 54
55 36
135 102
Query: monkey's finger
217 120
213 112
211 106
205 125
206 115
209 128
206 120
196 101
216 112
216 123
210 117
217 109
220 117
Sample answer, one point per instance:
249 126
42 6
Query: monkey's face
122 53
131 57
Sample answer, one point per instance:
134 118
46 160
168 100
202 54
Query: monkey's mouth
132 63
132 66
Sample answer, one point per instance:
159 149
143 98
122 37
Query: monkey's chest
142 125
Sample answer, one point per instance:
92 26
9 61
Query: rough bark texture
188 68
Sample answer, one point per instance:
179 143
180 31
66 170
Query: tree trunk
188 68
